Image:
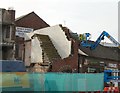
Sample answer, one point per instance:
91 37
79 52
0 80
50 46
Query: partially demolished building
58 49
52 47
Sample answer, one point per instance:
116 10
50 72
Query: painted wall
36 51
27 36
58 38
27 53
33 52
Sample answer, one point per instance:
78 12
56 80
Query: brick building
25 24
31 20
92 61
7 33
100 58
51 48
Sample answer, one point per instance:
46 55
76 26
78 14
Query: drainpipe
79 67
14 51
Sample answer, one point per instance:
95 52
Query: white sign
115 80
112 65
21 30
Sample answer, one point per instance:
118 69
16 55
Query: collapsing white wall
58 38
33 51
36 51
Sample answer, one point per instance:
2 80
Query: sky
80 16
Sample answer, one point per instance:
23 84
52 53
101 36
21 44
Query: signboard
115 80
92 70
112 65
14 79
20 31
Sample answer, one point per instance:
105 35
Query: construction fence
22 81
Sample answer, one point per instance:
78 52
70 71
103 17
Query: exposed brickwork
69 63
48 47
27 53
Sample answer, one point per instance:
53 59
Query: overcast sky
81 16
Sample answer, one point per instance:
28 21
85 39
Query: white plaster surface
58 38
36 51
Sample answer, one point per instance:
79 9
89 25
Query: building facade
100 58
51 47
7 32
25 24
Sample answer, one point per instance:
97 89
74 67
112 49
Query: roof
31 20
20 17
111 53
25 15
82 53
104 52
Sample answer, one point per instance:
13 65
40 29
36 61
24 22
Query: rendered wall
36 51
27 53
28 36
58 38
33 52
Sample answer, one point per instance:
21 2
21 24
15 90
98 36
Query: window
7 30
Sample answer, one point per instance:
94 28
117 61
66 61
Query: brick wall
70 63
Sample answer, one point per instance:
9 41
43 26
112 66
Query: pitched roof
25 15
112 53
20 17
31 20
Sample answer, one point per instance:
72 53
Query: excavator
85 37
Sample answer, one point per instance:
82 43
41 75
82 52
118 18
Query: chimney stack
12 13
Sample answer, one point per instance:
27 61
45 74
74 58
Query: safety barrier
93 83
111 89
